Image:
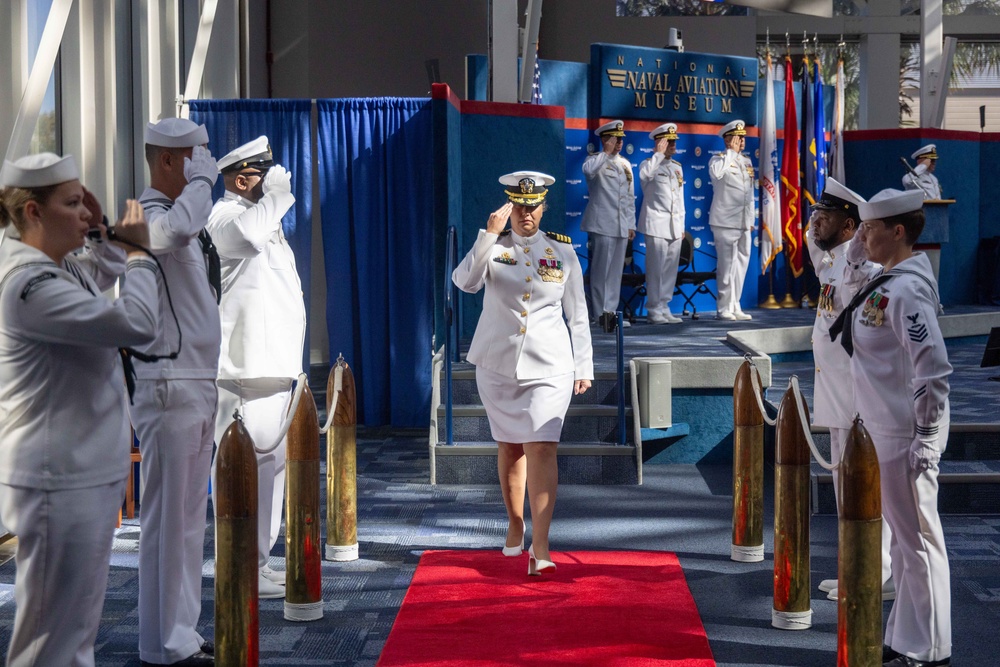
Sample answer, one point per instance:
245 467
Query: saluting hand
581 386
661 146
498 219
132 227
96 213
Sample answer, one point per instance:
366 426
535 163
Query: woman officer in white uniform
531 350
63 420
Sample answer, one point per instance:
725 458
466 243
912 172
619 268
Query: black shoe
199 659
609 322
905 661
208 647
888 654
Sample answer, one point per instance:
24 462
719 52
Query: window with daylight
46 136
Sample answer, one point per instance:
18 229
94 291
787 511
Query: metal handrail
621 378
451 327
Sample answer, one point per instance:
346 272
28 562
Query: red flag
790 223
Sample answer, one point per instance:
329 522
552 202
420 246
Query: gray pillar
879 103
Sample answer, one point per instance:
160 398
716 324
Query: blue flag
819 133
536 81
807 144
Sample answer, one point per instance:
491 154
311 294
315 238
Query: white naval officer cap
838 197
176 133
527 188
737 127
615 128
256 153
890 202
38 171
666 131
929 151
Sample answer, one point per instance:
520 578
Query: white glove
201 166
924 453
856 250
278 179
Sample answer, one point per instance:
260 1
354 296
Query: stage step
969 479
579 463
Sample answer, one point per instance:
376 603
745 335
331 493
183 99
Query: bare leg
543 478
511 470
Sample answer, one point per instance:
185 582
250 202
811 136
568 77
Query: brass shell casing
341 472
303 550
748 470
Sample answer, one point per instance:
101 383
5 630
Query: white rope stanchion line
338 386
754 380
300 386
800 405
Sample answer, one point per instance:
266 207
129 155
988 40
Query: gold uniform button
523 329
527 279
527 263
527 248
527 295
524 313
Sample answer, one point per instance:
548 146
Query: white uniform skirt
525 410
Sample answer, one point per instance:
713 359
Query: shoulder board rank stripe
562 238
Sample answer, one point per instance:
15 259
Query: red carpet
607 608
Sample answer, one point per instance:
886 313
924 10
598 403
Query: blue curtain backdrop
376 204
286 123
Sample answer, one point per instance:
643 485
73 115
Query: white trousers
662 258
263 414
63 552
919 624
175 422
838 438
607 261
732 248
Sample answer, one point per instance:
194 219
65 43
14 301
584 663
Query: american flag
536 82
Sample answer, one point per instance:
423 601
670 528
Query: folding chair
689 276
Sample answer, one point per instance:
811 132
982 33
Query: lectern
935 230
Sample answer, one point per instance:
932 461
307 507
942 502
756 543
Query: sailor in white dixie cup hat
65 428
263 325
922 177
609 219
661 220
174 413
732 217
900 370
832 225
531 349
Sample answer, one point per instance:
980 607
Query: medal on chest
505 258
549 268
826 298
874 313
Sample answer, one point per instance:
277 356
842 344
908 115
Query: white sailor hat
737 127
889 202
615 128
527 188
256 153
176 133
929 151
38 171
666 131
837 197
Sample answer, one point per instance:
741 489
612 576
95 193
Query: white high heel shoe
515 551
538 565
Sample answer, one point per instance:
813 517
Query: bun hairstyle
14 199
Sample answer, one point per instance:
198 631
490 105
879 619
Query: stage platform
705 355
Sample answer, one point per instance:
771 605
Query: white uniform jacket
833 393
925 181
263 314
732 191
898 343
173 231
611 206
662 212
63 418
531 285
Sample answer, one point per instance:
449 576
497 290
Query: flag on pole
770 198
819 133
837 145
536 81
790 226
807 142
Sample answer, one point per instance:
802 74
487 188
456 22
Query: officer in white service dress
609 219
174 413
63 419
661 220
263 325
732 218
833 223
531 350
922 178
900 370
